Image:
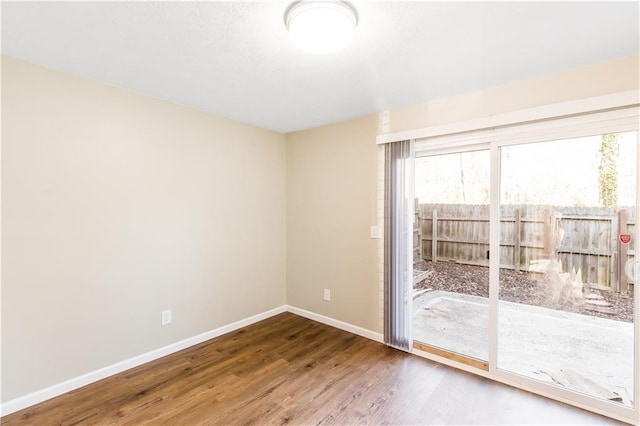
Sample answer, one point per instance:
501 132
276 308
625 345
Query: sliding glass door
451 285
524 259
567 224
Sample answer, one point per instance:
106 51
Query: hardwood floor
291 370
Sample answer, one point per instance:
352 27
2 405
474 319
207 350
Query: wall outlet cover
327 294
166 317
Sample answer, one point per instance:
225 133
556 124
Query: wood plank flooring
291 370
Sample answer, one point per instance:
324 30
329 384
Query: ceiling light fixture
321 26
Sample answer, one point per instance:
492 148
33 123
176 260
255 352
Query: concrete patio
580 352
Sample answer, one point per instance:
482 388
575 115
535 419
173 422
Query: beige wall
331 193
116 206
593 80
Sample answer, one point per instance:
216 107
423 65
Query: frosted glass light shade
321 26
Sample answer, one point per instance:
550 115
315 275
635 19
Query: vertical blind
398 241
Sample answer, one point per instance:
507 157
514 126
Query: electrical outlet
166 317
327 294
376 232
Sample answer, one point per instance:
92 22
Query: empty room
320 212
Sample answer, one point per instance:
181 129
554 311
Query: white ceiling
234 58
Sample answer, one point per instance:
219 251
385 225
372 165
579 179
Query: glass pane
565 311
451 285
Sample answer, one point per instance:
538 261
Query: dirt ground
518 287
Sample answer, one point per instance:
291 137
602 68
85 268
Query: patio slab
580 352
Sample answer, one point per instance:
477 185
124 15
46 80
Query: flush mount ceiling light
321 26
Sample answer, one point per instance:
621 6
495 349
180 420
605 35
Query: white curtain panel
398 242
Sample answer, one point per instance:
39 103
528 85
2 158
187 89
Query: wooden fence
584 239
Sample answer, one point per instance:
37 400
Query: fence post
516 242
553 235
623 282
614 247
546 233
417 231
434 236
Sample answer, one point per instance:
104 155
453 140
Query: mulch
519 287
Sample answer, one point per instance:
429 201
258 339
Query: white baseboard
77 382
337 323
